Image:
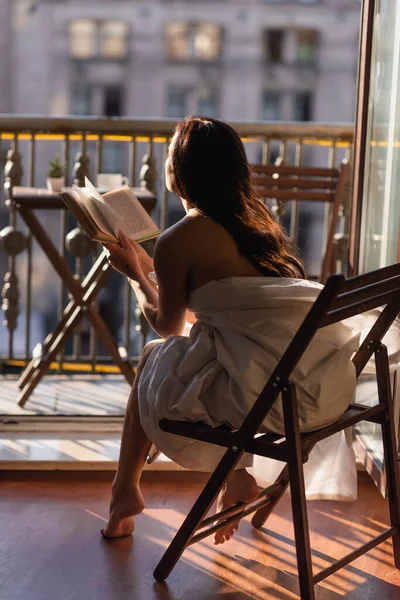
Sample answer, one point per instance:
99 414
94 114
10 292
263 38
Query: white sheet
215 375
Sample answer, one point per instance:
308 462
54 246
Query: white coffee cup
111 181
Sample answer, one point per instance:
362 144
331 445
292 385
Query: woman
229 268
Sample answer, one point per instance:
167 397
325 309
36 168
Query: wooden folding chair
339 300
285 183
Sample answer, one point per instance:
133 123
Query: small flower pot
55 184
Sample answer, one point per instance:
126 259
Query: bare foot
240 487
124 505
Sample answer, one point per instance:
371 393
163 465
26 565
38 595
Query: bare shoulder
185 233
203 249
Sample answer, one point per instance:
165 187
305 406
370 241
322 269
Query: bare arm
166 313
165 308
143 298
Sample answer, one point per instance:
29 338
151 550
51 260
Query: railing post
342 238
81 169
148 179
148 172
13 242
279 209
82 166
13 170
79 243
142 327
10 301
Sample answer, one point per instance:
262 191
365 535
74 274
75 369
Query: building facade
238 60
244 60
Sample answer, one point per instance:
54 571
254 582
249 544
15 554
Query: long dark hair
209 170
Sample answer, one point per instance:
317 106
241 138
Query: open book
104 216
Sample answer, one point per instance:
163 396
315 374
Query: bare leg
240 487
127 499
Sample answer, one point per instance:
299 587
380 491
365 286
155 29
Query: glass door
380 219
381 207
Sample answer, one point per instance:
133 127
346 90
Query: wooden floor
50 546
83 395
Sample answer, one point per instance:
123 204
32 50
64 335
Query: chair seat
266 444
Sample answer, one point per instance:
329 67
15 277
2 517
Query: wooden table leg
59 263
87 282
80 306
76 315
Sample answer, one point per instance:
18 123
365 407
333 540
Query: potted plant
55 176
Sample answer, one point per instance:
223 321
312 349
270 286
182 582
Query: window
113 102
183 100
89 100
188 41
89 38
177 43
207 102
303 49
302 106
113 39
82 38
306 46
271 106
206 41
274 45
177 102
81 101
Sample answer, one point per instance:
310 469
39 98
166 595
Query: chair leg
389 446
196 515
298 495
262 514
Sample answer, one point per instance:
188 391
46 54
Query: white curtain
330 472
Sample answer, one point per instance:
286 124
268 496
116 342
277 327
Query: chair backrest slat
293 183
347 298
294 194
372 277
298 184
334 316
377 331
299 171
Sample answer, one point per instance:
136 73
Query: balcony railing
34 298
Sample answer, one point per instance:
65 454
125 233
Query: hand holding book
129 258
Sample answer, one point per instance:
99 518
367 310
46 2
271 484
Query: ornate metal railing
33 299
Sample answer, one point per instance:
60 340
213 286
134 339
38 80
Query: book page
74 204
103 217
89 187
133 219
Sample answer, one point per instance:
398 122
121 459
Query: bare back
187 256
210 250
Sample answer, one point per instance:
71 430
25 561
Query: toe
218 538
